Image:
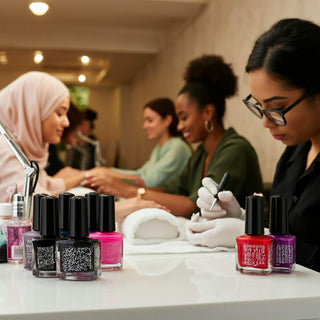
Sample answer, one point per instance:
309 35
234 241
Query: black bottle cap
64 208
278 222
78 227
49 219
254 216
37 210
93 209
106 213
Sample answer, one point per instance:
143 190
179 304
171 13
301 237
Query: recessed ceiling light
85 59
38 8
82 78
3 57
38 57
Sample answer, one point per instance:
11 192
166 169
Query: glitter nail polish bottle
111 241
78 258
284 244
16 228
43 254
254 248
34 233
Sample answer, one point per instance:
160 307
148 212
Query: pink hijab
24 104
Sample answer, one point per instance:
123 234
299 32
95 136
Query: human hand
227 206
214 233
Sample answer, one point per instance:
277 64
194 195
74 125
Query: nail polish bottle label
283 253
254 254
15 248
78 259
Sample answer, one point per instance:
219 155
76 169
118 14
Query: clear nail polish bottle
111 241
44 253
5 217
34 233
16 228
64 208
78 257
93 210
284 244
254 248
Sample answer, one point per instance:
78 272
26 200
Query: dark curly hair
165 107
209 80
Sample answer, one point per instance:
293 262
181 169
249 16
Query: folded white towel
152 225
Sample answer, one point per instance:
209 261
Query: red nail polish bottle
254 248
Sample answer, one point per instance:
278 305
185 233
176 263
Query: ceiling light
38 8
38 57
3 57
82 78
85 59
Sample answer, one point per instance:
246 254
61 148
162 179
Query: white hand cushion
152 225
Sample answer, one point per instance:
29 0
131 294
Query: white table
167 286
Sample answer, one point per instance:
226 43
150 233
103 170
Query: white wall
227 28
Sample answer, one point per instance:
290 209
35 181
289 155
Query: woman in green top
168 157
200 107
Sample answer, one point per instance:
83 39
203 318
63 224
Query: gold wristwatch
141 192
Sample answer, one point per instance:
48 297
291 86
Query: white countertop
163 286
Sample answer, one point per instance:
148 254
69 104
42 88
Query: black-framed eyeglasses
274 115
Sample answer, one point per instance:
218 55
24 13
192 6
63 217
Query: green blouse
234 154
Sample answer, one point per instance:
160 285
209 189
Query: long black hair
289 51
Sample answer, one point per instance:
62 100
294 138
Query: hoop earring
209 126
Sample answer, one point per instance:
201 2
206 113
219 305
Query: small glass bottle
44 248
16 228
5 217
34 233
284 244
78 258
93 210
111 241
254 248
64 207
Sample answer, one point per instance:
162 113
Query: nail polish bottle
284 244
254 248
16 228
34 233
93 210
64 208
5 217
111 241
44 253
78 258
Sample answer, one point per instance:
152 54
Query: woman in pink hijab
34 109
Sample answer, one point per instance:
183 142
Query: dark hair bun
214 72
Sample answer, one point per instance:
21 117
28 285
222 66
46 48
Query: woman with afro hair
200 107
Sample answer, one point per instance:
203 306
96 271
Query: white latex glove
227 206
214 233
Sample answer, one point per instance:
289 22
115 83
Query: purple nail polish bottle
284 244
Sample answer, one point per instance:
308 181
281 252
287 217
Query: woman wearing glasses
284 79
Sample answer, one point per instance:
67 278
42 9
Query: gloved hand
227 206
214 233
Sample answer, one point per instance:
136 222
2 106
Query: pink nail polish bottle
111 241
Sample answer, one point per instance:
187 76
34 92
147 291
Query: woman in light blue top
171 153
